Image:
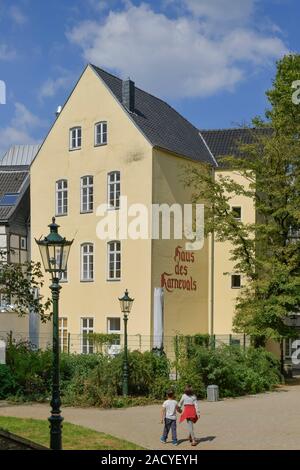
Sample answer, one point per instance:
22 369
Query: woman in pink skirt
190 412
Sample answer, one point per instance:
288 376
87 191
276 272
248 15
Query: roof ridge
235 129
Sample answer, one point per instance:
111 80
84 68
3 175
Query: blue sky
211 59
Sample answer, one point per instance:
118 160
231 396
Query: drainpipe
212 277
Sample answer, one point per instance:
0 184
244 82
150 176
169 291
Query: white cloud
220 10
177 57
20 128
17 15
51 86
7 53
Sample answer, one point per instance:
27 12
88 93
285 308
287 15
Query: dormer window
75 138
101 133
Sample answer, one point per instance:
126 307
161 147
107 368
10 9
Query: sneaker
163 440
175 443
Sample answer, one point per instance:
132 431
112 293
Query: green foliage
19 282
31 370
96 379
266 251
7 382
235 371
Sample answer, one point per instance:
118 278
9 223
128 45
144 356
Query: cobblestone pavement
266 421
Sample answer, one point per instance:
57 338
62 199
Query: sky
212 60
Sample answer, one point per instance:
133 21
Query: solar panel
9 199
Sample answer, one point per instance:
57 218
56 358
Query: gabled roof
164 127
224 142
12 180
19 155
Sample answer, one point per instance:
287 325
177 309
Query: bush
237 372
7 382
96 379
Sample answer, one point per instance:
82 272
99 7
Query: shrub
7 382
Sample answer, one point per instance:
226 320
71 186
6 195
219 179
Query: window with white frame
62 197
237 212
75 138
114 327
114 189
23 243
101 133
86 194
87 328
114 260
63 334
87 262
236 282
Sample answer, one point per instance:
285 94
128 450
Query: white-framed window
87 327
87 262
236 281
237 212
23 243
75 138
86 194
113 189
114 327
62 197
4 301
64 276
114 260
63 333
101 133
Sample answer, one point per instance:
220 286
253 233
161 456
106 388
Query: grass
74 437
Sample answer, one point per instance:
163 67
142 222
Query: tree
267 252
19 283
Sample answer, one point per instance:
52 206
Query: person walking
191 413
169 418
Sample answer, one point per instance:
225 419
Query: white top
189 400
170 407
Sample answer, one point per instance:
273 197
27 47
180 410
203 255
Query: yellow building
111 140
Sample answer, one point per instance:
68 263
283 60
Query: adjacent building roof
224 142
19 155
13 181
163 126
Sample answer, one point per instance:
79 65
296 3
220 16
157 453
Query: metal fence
172 345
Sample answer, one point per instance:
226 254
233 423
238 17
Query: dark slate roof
12 180
160 123
224 142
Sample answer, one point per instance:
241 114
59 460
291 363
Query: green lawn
74 437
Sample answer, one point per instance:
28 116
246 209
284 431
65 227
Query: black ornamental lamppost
126 305
54 251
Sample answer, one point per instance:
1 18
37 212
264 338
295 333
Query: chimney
58 111
128 94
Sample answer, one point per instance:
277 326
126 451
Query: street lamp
54 251
126 305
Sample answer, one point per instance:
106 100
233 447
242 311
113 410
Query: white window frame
23 243
113 189
88 205
101 133
87 258
62 328
61 204
236 287
237 207
114 257
75 138
115 347
86 346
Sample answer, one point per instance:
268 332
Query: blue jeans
170 424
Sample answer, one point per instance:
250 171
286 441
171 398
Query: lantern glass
54 251
126 303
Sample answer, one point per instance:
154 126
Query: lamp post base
55 421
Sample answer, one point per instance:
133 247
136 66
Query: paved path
267 421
